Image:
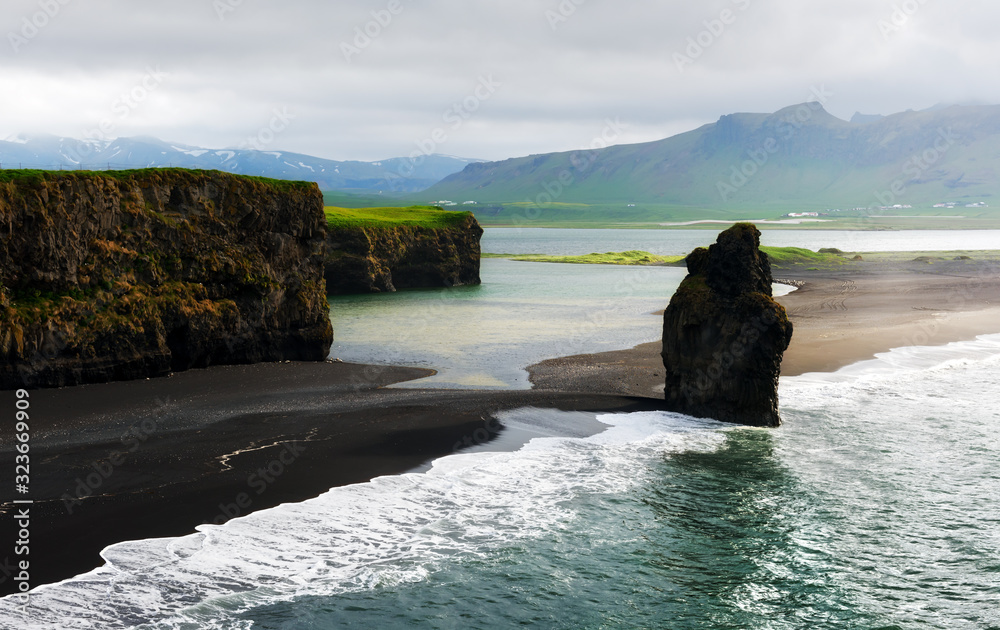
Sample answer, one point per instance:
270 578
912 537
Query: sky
369 80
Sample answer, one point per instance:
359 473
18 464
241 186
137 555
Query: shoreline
840 316
158 457
155 458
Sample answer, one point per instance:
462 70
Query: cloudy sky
490 79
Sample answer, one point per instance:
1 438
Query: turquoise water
873 507
484 336
523 313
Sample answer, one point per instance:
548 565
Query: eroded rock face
116 276
375 260
724 335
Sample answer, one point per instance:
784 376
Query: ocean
873 506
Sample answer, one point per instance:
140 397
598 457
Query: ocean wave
392 530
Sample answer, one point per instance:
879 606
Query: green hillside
418 216
753 166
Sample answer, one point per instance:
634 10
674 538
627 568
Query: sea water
524 312
484 336
874 506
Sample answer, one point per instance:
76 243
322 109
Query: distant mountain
863 119
393 175
800 156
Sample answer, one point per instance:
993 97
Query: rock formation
130 274
724 335
379 259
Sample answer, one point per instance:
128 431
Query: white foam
391 530
901 361
911 376
778 289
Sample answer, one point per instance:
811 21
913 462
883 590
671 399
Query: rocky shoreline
134 274
384 259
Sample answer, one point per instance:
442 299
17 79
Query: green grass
797 255
35 176
417 216
342 199
633 257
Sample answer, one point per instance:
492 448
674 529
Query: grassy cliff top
417 216
33 176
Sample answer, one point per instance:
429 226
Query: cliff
379 258
131 274
724 335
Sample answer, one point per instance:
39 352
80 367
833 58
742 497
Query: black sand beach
134 460
141 459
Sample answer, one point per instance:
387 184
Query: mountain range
395 175
800 157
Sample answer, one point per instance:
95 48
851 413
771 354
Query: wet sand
840 315
143 459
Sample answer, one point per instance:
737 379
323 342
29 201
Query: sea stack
724 335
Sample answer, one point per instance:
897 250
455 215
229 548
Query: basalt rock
380 259
133 274
724 335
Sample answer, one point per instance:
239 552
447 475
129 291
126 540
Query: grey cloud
565 66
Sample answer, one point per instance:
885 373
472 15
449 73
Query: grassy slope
418 216
828 163
798 255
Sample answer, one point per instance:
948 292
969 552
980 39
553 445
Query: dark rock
724 335
380 259
116 276
830 250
